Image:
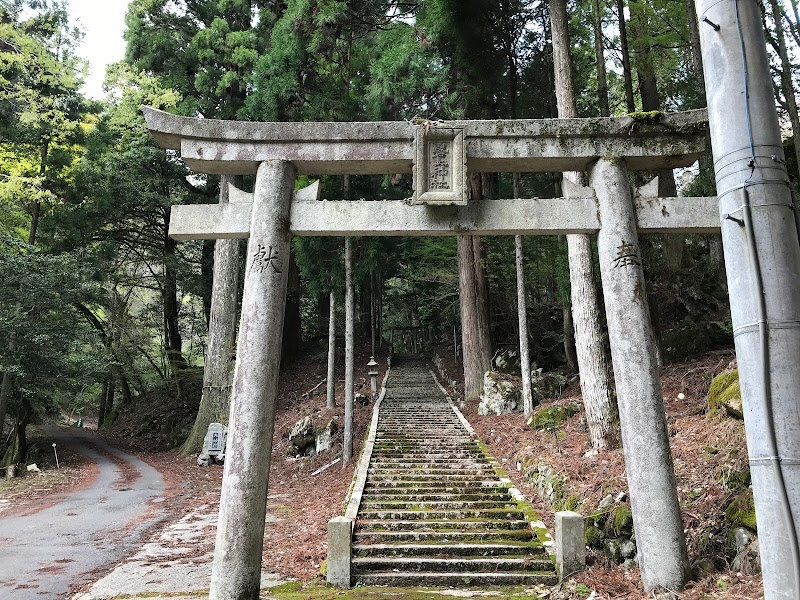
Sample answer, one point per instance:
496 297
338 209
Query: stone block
569 543
440 172
340 535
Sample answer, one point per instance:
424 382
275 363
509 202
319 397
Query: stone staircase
434 511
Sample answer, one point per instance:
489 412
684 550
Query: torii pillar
236 571
762 261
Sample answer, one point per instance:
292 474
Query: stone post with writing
236 570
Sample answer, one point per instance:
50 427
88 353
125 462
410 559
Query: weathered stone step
398 445
433 510
426 461
391 489
468 535
398 450
377 505
436 515
428 486
450 565
441 491
439 526
403 477
462 579
522 549
414 471
422 455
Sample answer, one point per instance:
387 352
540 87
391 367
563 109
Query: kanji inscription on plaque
439 169
440 165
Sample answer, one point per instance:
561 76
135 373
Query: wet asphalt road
44 553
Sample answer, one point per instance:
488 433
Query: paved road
42 554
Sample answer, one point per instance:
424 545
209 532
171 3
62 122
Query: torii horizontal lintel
542 216
383 147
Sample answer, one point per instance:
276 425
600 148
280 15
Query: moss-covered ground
311 591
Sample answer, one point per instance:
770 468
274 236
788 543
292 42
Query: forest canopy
99 305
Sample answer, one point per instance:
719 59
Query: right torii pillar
762 259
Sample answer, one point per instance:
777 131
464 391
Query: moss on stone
741 512
724 388
311 591
647 116
622 519
552 417
594 537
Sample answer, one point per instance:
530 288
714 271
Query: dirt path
45 552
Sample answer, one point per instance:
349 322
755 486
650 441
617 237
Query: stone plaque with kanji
439 166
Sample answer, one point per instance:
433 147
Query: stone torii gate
440 154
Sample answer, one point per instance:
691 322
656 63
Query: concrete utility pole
762 260
236 570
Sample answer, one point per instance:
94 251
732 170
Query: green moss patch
550 418
724 395
741 512
300 591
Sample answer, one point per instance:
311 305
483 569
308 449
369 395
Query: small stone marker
569 543
216 437
213 445
340 535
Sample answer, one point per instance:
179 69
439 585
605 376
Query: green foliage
53 352
407 78
42 115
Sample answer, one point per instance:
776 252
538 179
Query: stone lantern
373 376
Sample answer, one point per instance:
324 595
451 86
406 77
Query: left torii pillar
236 570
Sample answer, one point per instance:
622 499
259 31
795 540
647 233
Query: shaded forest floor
707 451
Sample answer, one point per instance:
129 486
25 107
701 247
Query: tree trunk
696 55
595 389
347 447
372 312
568 333
207 276
630 104
292 325
786 79
18 449
472 346
482 300
473 293
106 400
522 315
601 410
36 208
331 396
172 335
671 243
215 399
5 393
600 60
